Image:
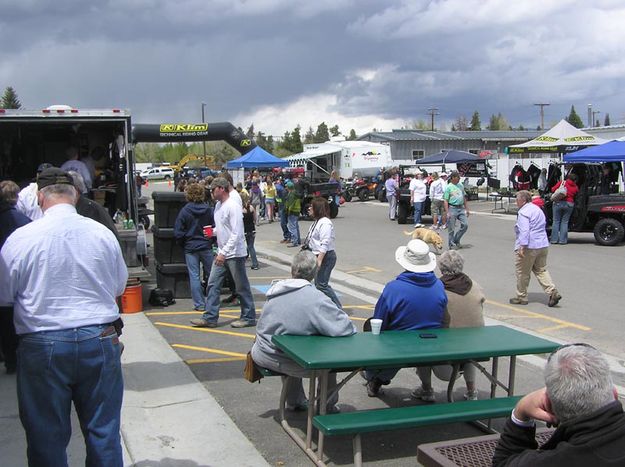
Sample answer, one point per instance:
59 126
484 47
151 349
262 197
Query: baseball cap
43 167
53 176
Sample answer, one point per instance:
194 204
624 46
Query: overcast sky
356 63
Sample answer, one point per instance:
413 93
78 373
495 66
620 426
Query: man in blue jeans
456 209
231 254
63 273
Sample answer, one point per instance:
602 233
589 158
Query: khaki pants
533 260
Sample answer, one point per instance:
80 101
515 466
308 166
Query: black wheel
363 194
347 196
167 177
145 220
402 214
334 210
609 232
382 196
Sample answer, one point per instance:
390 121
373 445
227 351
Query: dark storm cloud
393 59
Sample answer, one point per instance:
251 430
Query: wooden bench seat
368 421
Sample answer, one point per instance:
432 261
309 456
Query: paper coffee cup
208 230
376 326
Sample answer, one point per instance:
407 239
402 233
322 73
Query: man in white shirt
231 254
418 194
63 273
27 198
437 189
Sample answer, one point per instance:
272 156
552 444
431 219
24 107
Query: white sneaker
426 395
470 395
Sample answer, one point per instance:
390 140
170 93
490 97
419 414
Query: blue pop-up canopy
613 151
256 158
449 157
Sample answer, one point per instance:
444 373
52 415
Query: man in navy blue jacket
415 299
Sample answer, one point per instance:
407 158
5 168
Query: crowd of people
78 326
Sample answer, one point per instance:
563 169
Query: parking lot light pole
204 142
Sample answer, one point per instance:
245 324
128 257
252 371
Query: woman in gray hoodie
314 314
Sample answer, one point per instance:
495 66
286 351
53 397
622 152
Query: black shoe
554 298
374 387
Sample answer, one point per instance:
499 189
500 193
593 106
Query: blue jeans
562 211
55 368
293 221
418 208
193 260
286 235
323 276
460 215
236 266
249 240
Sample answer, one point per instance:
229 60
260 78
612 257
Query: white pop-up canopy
562 138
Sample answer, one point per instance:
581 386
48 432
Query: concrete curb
168 416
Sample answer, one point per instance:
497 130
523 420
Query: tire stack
171 269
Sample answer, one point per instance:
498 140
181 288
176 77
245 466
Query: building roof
485 135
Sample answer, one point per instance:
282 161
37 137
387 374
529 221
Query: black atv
602 214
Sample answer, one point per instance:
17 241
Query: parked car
158 172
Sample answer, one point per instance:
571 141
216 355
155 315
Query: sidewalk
168 417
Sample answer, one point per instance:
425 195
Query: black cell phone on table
427 335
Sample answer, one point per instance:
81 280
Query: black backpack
161 297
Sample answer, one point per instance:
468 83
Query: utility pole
204 142
433 111
542 114
592 123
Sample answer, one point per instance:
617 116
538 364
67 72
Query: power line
542 114
432 112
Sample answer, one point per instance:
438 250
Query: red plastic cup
208 231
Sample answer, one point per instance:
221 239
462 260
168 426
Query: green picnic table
401 349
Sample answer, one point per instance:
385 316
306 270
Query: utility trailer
31 137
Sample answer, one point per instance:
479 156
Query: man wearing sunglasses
579 397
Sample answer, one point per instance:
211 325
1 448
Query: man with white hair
315 314
63 273
580 398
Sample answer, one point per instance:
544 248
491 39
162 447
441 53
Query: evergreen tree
309 137
322 135
287 141
453 127
352 135
574 119
296 143
334 131
261 140
606 120
9 99
250 132
270 144
476 124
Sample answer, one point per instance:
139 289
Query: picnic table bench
368 421
401 349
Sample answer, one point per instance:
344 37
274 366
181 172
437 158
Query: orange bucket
132 299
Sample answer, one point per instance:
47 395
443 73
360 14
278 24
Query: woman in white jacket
321 242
